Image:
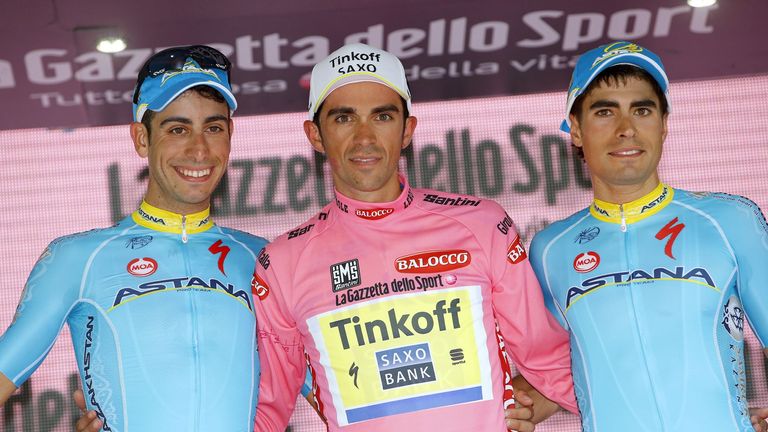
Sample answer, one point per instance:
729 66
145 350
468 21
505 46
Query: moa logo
142 267
586 262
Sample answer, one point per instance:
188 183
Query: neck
620 194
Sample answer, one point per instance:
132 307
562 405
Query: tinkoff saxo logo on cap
356 63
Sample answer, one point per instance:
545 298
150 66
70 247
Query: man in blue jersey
160 305
654 283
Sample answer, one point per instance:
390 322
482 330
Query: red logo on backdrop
433 261
373 214
586 262
259 288
142 267
516 251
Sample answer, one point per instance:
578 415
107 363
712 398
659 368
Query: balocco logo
586 262
142 266
433 261
259 288
373 214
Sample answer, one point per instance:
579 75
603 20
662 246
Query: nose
364 134
198 148
626 127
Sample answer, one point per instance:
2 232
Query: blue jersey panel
652 294
163 329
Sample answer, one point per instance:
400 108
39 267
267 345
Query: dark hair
205 91
316 117
616 75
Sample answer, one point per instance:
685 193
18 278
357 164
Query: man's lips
195 174
626 152
365 160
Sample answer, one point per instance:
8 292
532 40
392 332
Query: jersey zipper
630 263
623 218
185 250
184 228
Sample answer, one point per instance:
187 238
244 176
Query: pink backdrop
55 182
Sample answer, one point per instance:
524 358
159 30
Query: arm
281 353
42 310
533 338
7 387
749 239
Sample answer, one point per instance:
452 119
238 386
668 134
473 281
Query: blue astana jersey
160 310
655 294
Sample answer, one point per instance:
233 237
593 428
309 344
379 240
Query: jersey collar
636 210
158 219
366 212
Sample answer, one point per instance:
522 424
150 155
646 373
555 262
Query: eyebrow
184 120
606 103
385 108
217 117
350 110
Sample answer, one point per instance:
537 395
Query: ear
665 125
231 127
575 131
140 137
408 130
314 136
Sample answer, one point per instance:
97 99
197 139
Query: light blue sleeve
538 245
306 388
746 230
49 295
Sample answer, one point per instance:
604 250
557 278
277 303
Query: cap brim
179 86
356 77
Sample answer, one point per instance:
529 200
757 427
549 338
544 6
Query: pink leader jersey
396 306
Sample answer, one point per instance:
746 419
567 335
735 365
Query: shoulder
464 207
721 205
297 238
252 241
85 239
560 228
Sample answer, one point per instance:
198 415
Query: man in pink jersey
398 296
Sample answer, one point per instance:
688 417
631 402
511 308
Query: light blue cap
594 61
159 91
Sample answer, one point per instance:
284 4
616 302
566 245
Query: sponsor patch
373 214
259 288
219 248
138 242
345 275
586 262
516 252
672 229
405 353
733 318
433 261
587 235
405 366
447 201
505 224
264 259
300 231
142 266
